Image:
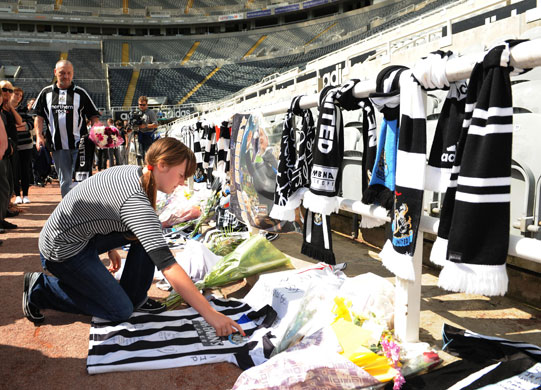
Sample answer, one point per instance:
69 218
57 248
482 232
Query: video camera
136 119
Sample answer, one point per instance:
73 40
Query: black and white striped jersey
65 111
111 201
180 338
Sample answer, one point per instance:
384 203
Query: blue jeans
83 285
145 142
64 162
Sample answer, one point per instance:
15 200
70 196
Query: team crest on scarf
402 232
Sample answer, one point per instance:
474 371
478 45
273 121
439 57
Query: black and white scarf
397 253
431 75
209 157
476 206
199 175
224 140
292 179
85 159
347 101
328 152
322 199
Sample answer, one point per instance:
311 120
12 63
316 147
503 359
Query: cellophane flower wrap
253 256
105 136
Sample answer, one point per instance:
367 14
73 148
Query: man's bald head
64 74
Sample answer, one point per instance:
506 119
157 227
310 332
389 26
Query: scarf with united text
328 151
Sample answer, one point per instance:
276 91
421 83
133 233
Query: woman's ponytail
148 182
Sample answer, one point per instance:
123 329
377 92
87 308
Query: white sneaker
26 200
18 200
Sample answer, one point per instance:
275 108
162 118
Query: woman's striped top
111 201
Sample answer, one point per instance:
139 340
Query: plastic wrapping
302 367
372 301
314 313
253 256
178 207
352 338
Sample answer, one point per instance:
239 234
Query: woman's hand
224 325
114 257
183 285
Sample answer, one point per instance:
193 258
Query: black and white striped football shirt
111 201
65 111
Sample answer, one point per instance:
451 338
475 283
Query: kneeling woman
108 210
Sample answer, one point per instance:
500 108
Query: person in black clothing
13 123
24 148
4 186
122 148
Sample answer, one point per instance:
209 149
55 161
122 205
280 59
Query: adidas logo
449 156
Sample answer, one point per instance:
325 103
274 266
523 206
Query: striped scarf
431 74
322 199
224 139
473 235
328 151
397 253
199 175
209 135
85 159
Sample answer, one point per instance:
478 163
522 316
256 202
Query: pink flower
392 352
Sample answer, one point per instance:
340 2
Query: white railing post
407 300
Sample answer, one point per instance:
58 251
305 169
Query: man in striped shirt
64 107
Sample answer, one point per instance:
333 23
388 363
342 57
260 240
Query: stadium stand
97 89
87 63
119 79
294 37
34 63
222 63
225 48
112 51
161 51
82 3
174 83
230 77
167 4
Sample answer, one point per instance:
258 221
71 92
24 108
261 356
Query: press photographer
146 123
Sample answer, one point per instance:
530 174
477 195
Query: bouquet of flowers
105 136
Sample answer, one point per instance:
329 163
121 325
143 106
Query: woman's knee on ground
121 310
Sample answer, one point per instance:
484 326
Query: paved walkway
53 355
